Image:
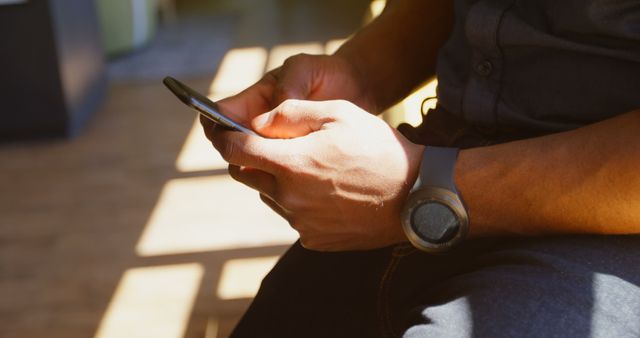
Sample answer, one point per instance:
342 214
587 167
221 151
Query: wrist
415 152
434 217
356 63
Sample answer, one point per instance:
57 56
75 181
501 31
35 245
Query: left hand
338 174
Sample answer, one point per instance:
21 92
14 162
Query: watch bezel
431 194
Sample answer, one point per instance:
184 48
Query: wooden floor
134 229
74 214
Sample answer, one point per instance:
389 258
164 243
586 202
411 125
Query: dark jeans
570 286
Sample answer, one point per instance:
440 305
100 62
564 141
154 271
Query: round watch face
434 219
435 222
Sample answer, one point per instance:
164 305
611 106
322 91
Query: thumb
293 118
291 85
296 78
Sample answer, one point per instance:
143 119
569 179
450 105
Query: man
541 96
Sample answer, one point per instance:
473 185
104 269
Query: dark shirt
542 66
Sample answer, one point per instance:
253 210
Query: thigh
562 287
346 294
314 294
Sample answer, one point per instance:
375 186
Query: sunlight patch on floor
152 302
241 278
240 68
197 152
213 326
210 213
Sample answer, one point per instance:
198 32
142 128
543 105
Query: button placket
483 85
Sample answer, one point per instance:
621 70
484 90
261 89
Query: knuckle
228 151
340 102
342 108
311 243
270 77
297 58
306 242
288 106
286 90
234 171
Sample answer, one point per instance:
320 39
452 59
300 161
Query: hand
305 77
338 174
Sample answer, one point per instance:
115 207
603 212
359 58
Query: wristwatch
434 217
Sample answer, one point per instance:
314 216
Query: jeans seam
386 326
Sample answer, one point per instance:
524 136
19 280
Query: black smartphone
203 105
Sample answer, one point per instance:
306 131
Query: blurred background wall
52 68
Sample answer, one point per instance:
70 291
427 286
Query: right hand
302 77
336 173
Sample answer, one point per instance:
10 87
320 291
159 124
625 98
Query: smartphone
203 105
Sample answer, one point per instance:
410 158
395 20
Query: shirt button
484 68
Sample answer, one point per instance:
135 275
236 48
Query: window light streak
210 213
408 110
213 326
239 69
332 45
376 7
278 54
153 302
241 278
412 103
197 152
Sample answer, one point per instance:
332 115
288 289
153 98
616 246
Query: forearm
398 50
581 181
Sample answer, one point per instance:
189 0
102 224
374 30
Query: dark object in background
52 74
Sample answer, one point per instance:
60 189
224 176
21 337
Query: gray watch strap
437 168
434 217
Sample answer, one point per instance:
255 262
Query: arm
342 178
398 50
374 69
340 175
581 181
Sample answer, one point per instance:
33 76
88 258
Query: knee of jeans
452 319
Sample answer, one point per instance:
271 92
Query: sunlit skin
340 176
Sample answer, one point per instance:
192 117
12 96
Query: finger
240 149
208 127
295 79
274 206
252 101
256 179
295 118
